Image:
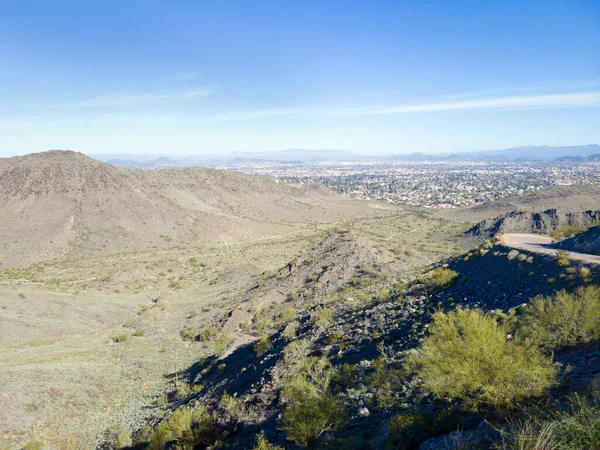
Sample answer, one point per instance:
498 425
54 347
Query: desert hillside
63 204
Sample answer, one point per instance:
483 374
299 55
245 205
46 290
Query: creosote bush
575 428
263 444
311 409
563 320
185 428
469 356
263 345
563 259
438 278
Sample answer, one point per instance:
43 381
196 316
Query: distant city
432 181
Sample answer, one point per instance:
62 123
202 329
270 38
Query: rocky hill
588 242
532 222
62 204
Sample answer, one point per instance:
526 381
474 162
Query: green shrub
322 317
187 334
208 334
120 338
310 409
438 278
287 315
138 333
289 333
263 444
263 345
34 445
221 343
563 259
469 356
123 440
566 232
234 407
186 428
264 326
564 320
575 428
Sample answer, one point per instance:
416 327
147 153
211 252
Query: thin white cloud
124 98
548 101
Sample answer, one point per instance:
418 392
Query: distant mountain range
565 154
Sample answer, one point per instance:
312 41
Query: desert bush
469 356
563 320
322 317
310 409
123 440
287 315
562 257
138 333
263 345
566 232
264 326
185 428
234 407
263 444
187 334
438 278
207 334
34 445
221 343
585 274
289 333
120 338
575 428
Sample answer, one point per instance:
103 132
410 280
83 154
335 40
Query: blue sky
191 77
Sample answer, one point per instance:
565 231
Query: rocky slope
588 242
532 222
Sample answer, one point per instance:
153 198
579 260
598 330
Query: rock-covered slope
588 242
532 222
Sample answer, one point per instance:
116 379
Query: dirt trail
541 244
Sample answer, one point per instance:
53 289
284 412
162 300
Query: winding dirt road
541 244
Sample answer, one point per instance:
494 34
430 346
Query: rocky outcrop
588 242
532 222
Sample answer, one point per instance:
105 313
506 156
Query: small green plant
208 334
311 409
322 317
289 333
438 278
234 407
221 343
563 320
263 444
221 368
187 334
287 315
123 440
34 445
120 338
562 257
577 427
263 345
138 333
469 355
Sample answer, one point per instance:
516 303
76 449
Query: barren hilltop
63 204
